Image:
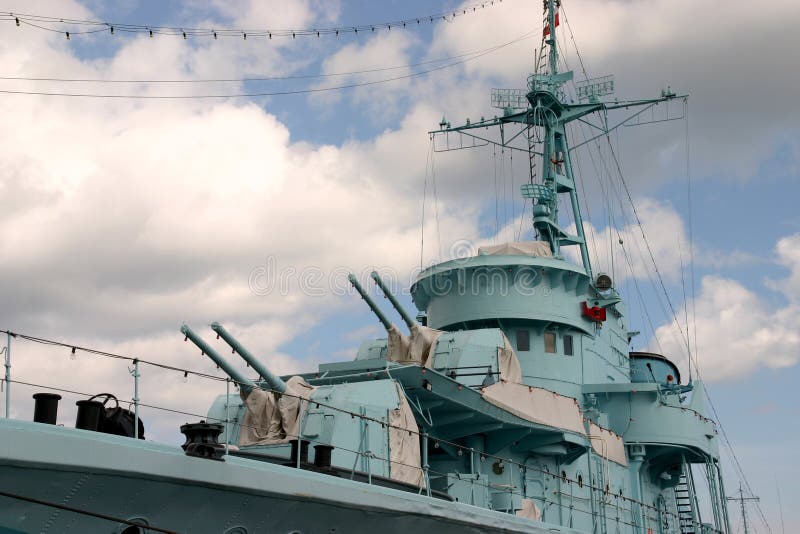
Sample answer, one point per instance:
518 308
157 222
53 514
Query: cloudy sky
122 218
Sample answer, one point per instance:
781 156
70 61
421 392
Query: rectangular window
568 345
550 342
523 340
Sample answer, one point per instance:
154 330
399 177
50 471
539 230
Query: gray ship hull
158 484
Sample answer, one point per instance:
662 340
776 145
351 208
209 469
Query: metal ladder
684 502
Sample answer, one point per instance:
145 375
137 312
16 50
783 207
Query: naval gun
274 381
320 414
387 324
474 358
410 323
245 383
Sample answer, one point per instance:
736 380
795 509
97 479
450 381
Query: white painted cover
509 367
418 347
404 453
267 421
522 248
536 405
607 444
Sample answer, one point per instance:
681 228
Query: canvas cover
522 248
418 347
558 411
271 418
607 444
529 510
397 345
536 405
404 453
508 363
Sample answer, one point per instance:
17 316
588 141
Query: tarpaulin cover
404 452
523 248
418 347
267 421
536 405
551 409
508 363
607 444
529 510
397 345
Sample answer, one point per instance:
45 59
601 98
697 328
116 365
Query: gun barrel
245 383
371 303
406 317
274 381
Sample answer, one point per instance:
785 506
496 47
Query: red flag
547 27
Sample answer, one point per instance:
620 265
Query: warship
510 402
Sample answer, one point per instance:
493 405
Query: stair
683 500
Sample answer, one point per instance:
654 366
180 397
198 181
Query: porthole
133 529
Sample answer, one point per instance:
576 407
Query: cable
36 21
272 93
738 466
249 79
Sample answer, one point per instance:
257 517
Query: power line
273 93
63 25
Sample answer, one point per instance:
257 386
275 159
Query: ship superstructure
509 403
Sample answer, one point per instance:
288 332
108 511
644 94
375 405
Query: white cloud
384 49
121 220
738 330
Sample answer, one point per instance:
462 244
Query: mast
552 16
543 108
556 165
742 499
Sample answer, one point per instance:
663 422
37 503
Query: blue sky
122 219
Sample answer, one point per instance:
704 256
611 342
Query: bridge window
550 342
568 350
523 340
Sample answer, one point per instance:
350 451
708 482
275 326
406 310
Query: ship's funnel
371 303
406 317
245 383
274 381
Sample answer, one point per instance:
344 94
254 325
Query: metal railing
609 499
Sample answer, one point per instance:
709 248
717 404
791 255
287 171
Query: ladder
684 500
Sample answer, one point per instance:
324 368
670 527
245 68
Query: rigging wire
275 93
691 225
436 204
647 244
736 463
95 26
692 356
424 200
496 196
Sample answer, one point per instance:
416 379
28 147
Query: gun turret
371 303
406 317
245 383
274 381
